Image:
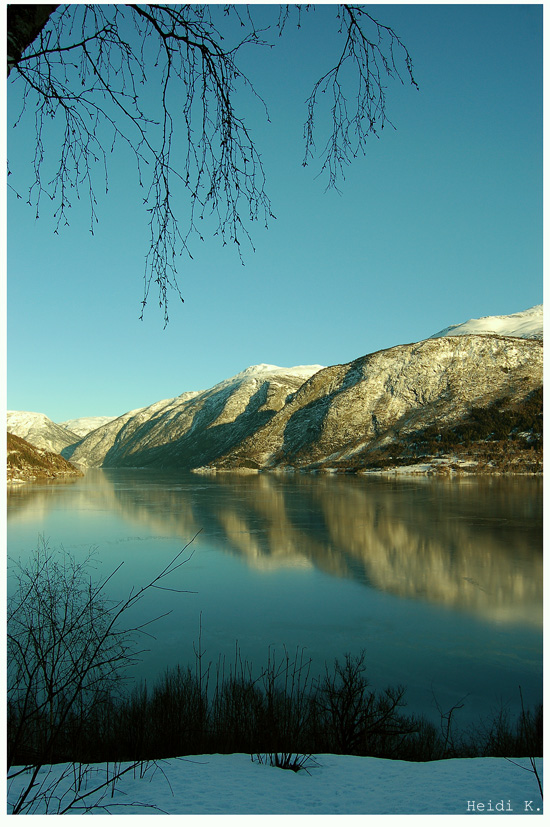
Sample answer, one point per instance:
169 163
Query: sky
440 222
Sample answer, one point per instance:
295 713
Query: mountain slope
92 449
40 431
27 463
526 325
347 412
477 382
195 428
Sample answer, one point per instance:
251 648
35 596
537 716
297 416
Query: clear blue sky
439 223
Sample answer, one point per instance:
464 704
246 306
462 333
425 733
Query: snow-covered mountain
269 417
526 325
344 416
93 448
40 431
195 428
347 415
85 424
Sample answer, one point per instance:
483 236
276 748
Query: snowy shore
334 785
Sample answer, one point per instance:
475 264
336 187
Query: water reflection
475 545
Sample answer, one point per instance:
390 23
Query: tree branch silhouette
88 70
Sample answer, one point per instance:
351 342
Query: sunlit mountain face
468 399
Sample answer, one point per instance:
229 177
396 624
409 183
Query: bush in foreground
68 655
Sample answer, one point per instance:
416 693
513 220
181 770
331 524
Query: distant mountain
40 431
85 424
27 463
195 428
526 325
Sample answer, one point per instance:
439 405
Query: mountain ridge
527 324
342 417
198 424
84 425
40 431
362 406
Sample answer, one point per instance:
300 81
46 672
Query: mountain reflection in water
474 545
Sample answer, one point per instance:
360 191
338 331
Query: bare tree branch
371 61
84 70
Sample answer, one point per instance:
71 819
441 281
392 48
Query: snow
332 784
298 370
27 419
527 325
85 424
39 430
264 371
447 464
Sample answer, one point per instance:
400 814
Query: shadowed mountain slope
195 428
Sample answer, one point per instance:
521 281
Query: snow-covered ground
448 465
335 784
526 325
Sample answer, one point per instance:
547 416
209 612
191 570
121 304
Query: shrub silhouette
67 700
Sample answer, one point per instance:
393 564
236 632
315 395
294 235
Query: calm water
440 582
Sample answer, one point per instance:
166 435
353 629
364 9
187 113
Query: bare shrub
360 720
68 651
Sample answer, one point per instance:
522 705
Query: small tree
68 650
361 721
